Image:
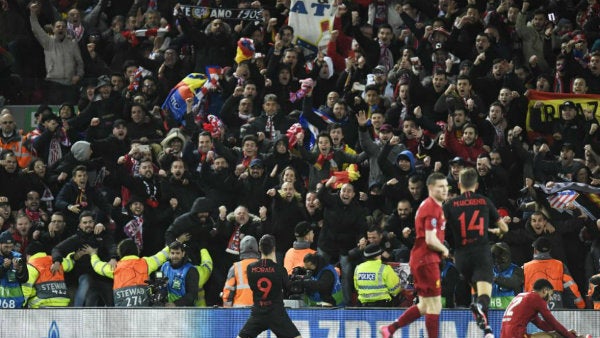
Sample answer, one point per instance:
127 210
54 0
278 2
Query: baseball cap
503 212
4 201
386 128
372 250
119 123
568 104
542 244
457 160
381 69
567 146
466 63
102 81
50 117
6 238
257 162
302 229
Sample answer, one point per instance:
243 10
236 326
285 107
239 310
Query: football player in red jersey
526 307
425 258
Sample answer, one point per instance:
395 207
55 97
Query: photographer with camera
131 273
322 284
12 274
183 277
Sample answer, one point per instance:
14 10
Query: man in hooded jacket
237 291
198 223
201 227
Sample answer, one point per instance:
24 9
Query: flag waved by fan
137 77
351 174
562 199
194 85
214 126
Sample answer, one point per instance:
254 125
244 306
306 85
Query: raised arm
39 33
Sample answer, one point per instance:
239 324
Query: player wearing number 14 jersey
468 217
267 280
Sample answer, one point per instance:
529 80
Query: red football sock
410 315
432 323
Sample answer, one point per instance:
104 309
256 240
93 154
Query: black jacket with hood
199 230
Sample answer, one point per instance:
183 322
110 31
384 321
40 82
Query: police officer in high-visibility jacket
44 288
12 274
129 287
375 282
556 272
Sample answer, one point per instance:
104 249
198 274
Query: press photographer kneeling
321 283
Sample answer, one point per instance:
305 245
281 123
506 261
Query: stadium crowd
403 89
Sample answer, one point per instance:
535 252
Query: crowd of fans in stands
404 88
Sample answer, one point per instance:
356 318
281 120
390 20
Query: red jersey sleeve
542 307
541 324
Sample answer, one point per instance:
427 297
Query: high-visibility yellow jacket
44 289
375 281
204 270
129 288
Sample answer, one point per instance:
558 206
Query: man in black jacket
343 223
181 185
101 114
110 149
77 196
272 122
55 232
287 210
198 223
253 186
92 289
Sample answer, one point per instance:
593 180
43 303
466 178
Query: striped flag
561 199
313 131
194 85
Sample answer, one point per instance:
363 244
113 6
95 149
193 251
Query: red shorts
427 279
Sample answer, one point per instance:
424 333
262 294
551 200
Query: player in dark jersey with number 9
267 280
468 217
